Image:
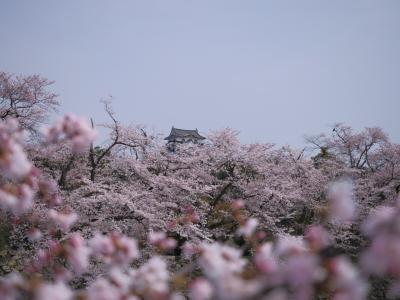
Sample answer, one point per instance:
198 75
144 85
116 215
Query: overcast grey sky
274 70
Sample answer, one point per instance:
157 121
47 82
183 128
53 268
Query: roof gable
184 133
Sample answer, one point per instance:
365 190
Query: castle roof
184 133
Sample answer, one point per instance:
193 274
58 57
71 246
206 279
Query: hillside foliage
130 219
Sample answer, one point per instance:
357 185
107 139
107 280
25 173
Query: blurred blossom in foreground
248 228
14 163
341 202
217 260
63 220
77 253
56 291
290 245
160 240
16 198
201 289
152 278
114 248
72 128
265 260
347 281
382 256
317 237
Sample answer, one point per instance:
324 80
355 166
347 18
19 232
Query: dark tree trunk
65 170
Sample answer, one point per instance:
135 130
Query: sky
273 70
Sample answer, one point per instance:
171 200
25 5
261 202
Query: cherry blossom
317 237
115 248
160 240
9 286
248 228
217 260
152 278
265 259
26 98
244 221
72 128
77 253
341 201
56 291
201 289
348 284
14 163
63 220
16 198
102 289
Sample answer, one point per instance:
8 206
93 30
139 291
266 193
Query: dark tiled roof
182 133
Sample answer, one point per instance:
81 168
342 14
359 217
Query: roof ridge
178 132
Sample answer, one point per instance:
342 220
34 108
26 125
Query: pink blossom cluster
16 198
17 176
201 289
381 258
162 241
150 281
115 248
63 221
341 202
74 129
77 253
249 227
14 163
217 260
286 267
57 290
290 268
50 192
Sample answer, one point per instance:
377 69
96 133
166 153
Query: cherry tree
134 139
26 98
352 148
219 220
291 267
